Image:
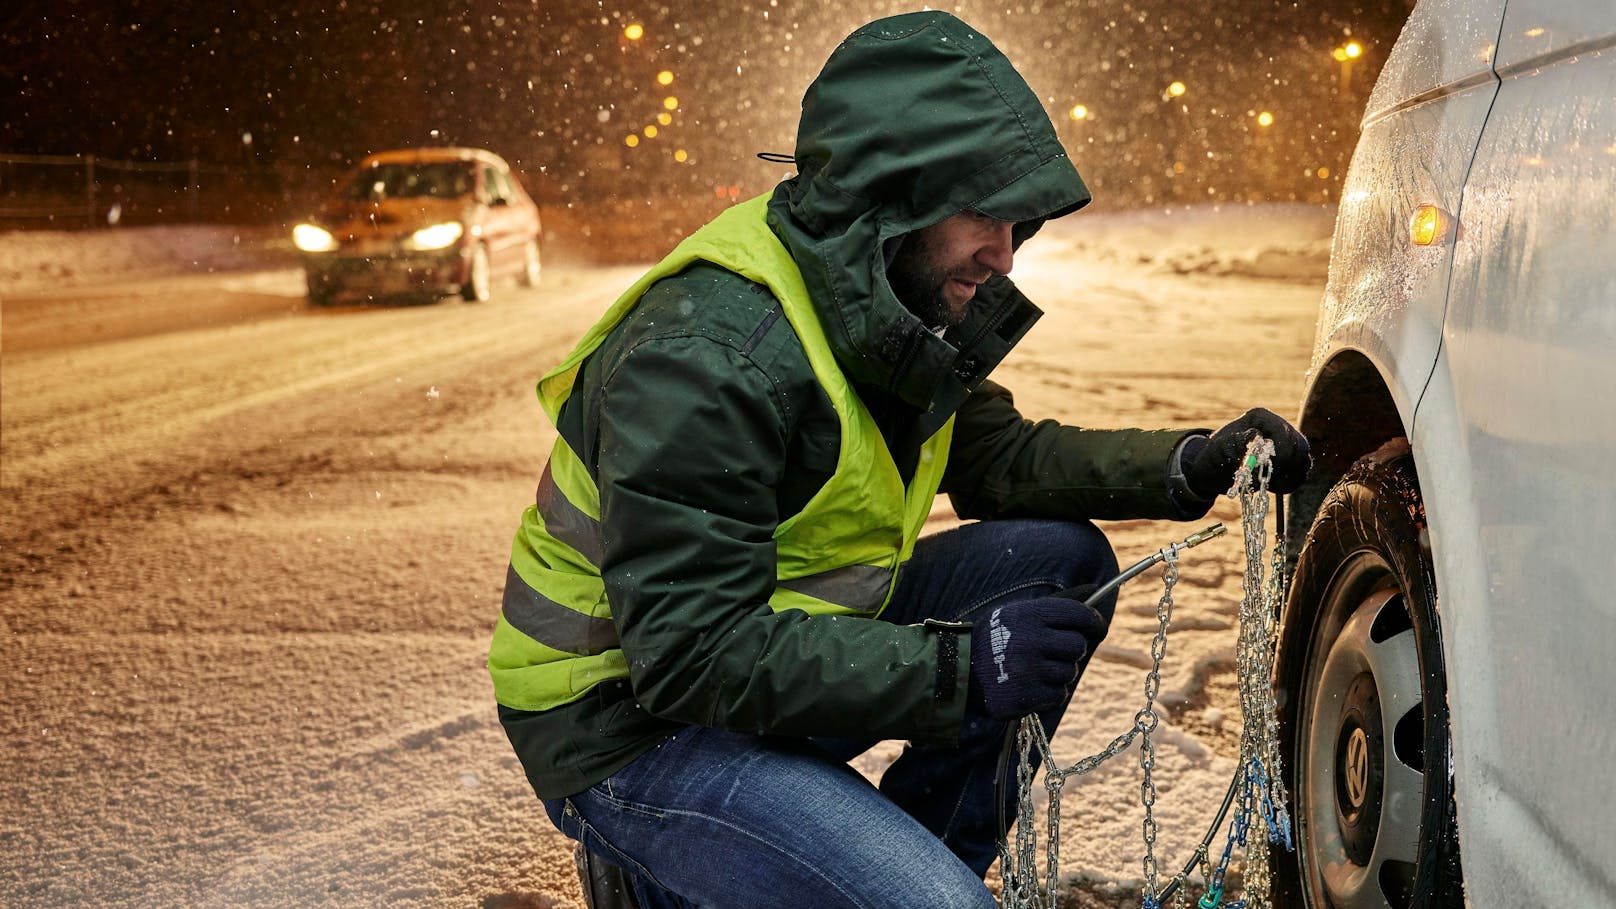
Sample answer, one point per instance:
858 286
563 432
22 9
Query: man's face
937 269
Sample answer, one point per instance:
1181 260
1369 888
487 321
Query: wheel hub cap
1356 771
1360 816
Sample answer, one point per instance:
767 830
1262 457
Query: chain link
1263 792
1146 720
1263 585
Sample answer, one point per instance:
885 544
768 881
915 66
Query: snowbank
40 259
1284 242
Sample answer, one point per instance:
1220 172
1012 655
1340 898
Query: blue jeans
718 818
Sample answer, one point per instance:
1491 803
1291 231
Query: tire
605 885
320 293
531 267
1363 704
479 277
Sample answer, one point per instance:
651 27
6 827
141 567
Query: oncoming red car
421 222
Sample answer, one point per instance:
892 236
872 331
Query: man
719 596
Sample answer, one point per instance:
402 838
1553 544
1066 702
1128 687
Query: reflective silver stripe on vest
861 587
857 587
565 521
552 624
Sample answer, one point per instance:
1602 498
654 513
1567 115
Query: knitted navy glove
1024 655
1209 464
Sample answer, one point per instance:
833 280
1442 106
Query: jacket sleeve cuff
1190 506
953 674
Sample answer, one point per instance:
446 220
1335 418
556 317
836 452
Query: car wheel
476 288
529 276
320 293
1364 715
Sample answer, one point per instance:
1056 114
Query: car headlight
309 238
437 236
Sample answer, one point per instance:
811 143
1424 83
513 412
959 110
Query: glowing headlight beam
438 236
309 238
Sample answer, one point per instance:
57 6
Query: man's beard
917 281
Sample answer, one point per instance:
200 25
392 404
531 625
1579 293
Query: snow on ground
283 434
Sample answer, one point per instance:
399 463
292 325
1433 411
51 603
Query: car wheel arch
1349 412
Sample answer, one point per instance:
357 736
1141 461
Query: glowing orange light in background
665 77
1079 112
634 32
1177 89
650 132
670 102
632 140
1265 119
681 156
664 118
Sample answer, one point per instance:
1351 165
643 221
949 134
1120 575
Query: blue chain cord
1276 820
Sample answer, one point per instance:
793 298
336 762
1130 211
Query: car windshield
447 179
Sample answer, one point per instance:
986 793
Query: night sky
557 88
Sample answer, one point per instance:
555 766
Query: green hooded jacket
703 425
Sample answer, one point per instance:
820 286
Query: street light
1079 112
1344 55
1265 119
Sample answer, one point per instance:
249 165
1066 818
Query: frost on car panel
1444 42
1386 295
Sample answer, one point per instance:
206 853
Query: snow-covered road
251 553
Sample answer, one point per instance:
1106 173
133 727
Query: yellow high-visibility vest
839 555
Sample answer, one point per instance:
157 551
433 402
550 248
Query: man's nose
996 252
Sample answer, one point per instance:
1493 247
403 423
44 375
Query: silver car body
1493 350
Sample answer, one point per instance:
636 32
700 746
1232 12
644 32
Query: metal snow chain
1258 778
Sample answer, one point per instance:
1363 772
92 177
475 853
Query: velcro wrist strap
947 656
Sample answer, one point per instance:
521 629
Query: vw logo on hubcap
1356 771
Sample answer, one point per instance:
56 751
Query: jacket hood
914 118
